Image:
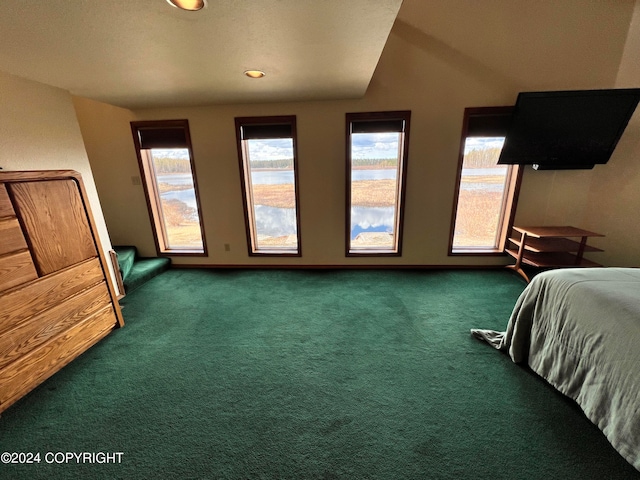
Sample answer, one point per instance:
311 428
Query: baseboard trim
338 267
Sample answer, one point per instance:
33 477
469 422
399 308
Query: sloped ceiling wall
613 200
541 45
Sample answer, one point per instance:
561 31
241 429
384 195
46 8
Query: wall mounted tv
568 129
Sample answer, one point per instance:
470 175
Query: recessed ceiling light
254 73
191 5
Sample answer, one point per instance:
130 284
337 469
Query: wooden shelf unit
550 247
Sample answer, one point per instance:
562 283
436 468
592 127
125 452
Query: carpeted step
137 270
143 270
126 258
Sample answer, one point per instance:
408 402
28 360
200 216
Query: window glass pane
270 180
482 194
375 172
177 198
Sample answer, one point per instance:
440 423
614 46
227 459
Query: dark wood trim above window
378 126
486 121
163 138
262 131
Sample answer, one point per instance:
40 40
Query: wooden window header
162 137
257 132
488 122
378 126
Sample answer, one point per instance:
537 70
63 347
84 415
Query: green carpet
278 374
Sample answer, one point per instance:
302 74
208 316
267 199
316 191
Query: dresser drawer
11 235
35 367
16 305
23 337
16 269
6 209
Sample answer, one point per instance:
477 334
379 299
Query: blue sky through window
374 145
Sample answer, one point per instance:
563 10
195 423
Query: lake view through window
376 164
166 164
268 161
176 192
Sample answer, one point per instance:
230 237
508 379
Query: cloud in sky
179 153
480 143
271 149
374 145
365 145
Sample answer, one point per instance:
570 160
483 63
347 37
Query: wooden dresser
55 300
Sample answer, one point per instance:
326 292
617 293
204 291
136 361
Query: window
486 193
268 169
166 162
377 147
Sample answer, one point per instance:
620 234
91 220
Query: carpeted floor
285 374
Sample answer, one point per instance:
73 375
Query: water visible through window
269 175
177 198
374 190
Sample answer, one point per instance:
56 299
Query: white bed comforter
580 330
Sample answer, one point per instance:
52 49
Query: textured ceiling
146 53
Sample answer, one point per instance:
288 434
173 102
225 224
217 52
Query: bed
579 329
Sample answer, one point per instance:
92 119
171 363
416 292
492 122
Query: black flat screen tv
568 129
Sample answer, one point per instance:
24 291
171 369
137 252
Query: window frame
487 116
403 116
152 196
247 194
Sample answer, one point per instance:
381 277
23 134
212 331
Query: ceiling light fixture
254 73
190 5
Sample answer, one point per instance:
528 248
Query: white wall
39 131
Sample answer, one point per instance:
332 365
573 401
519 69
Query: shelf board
554 244
552 259
550 232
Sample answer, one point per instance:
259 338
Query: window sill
184 253
373 252
476 251
275 253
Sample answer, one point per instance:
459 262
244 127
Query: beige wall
416 72
607 198
435 129
39 131
107 139
614 197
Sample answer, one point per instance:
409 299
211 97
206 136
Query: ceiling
146 53
525 44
